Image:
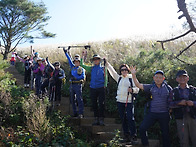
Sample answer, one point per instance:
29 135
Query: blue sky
77 21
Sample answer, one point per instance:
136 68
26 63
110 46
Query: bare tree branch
186 48
175 37
183 61
182 8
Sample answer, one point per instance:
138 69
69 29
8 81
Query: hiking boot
125 139
80 116
134 139
96 121
27 85
101 121
75 115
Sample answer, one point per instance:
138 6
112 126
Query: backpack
149 96
134 95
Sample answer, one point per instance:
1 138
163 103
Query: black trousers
27 76
44 85
58 85
98 101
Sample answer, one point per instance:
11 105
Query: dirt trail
19 78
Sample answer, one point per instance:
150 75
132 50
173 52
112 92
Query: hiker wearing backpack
38 71
56 80
27 64
76 80
159 106
183 101
47 74
34 56
97 88
125 96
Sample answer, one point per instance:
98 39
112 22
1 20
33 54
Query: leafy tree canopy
18 19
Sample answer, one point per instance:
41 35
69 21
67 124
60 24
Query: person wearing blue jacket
76 80
97 88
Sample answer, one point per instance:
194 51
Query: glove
64 50
16 54
46 58
79 70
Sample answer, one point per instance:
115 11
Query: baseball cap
181 72
159 72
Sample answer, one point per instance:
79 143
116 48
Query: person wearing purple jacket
38 71
27 64
159 106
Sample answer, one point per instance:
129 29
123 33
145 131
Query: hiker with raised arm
183 101
125 96
57 77
38 71
159 106
97 88
28 65
47 74
76 82
35 56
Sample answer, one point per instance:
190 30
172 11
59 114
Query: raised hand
133 69
84 53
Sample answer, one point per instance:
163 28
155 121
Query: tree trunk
5 54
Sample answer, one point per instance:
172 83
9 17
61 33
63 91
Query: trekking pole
53 100
76 46
125 108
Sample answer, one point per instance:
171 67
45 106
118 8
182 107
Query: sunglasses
124 70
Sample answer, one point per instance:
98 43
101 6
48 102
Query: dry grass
115 50
37 122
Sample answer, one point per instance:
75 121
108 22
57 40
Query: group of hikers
45 77
181 99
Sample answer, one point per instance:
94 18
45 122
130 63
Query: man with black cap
159 108
57 78
183 101
76 80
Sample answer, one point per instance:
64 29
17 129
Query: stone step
67 110
90 120
106 128
104 136
65 101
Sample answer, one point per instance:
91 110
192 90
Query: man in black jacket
183 101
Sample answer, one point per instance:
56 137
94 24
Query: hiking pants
58 84
186 129
44 85
27 76
98 101
38 81
127 118
149 120
76 98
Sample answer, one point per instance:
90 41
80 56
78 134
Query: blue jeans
149 120
76 94
127 118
